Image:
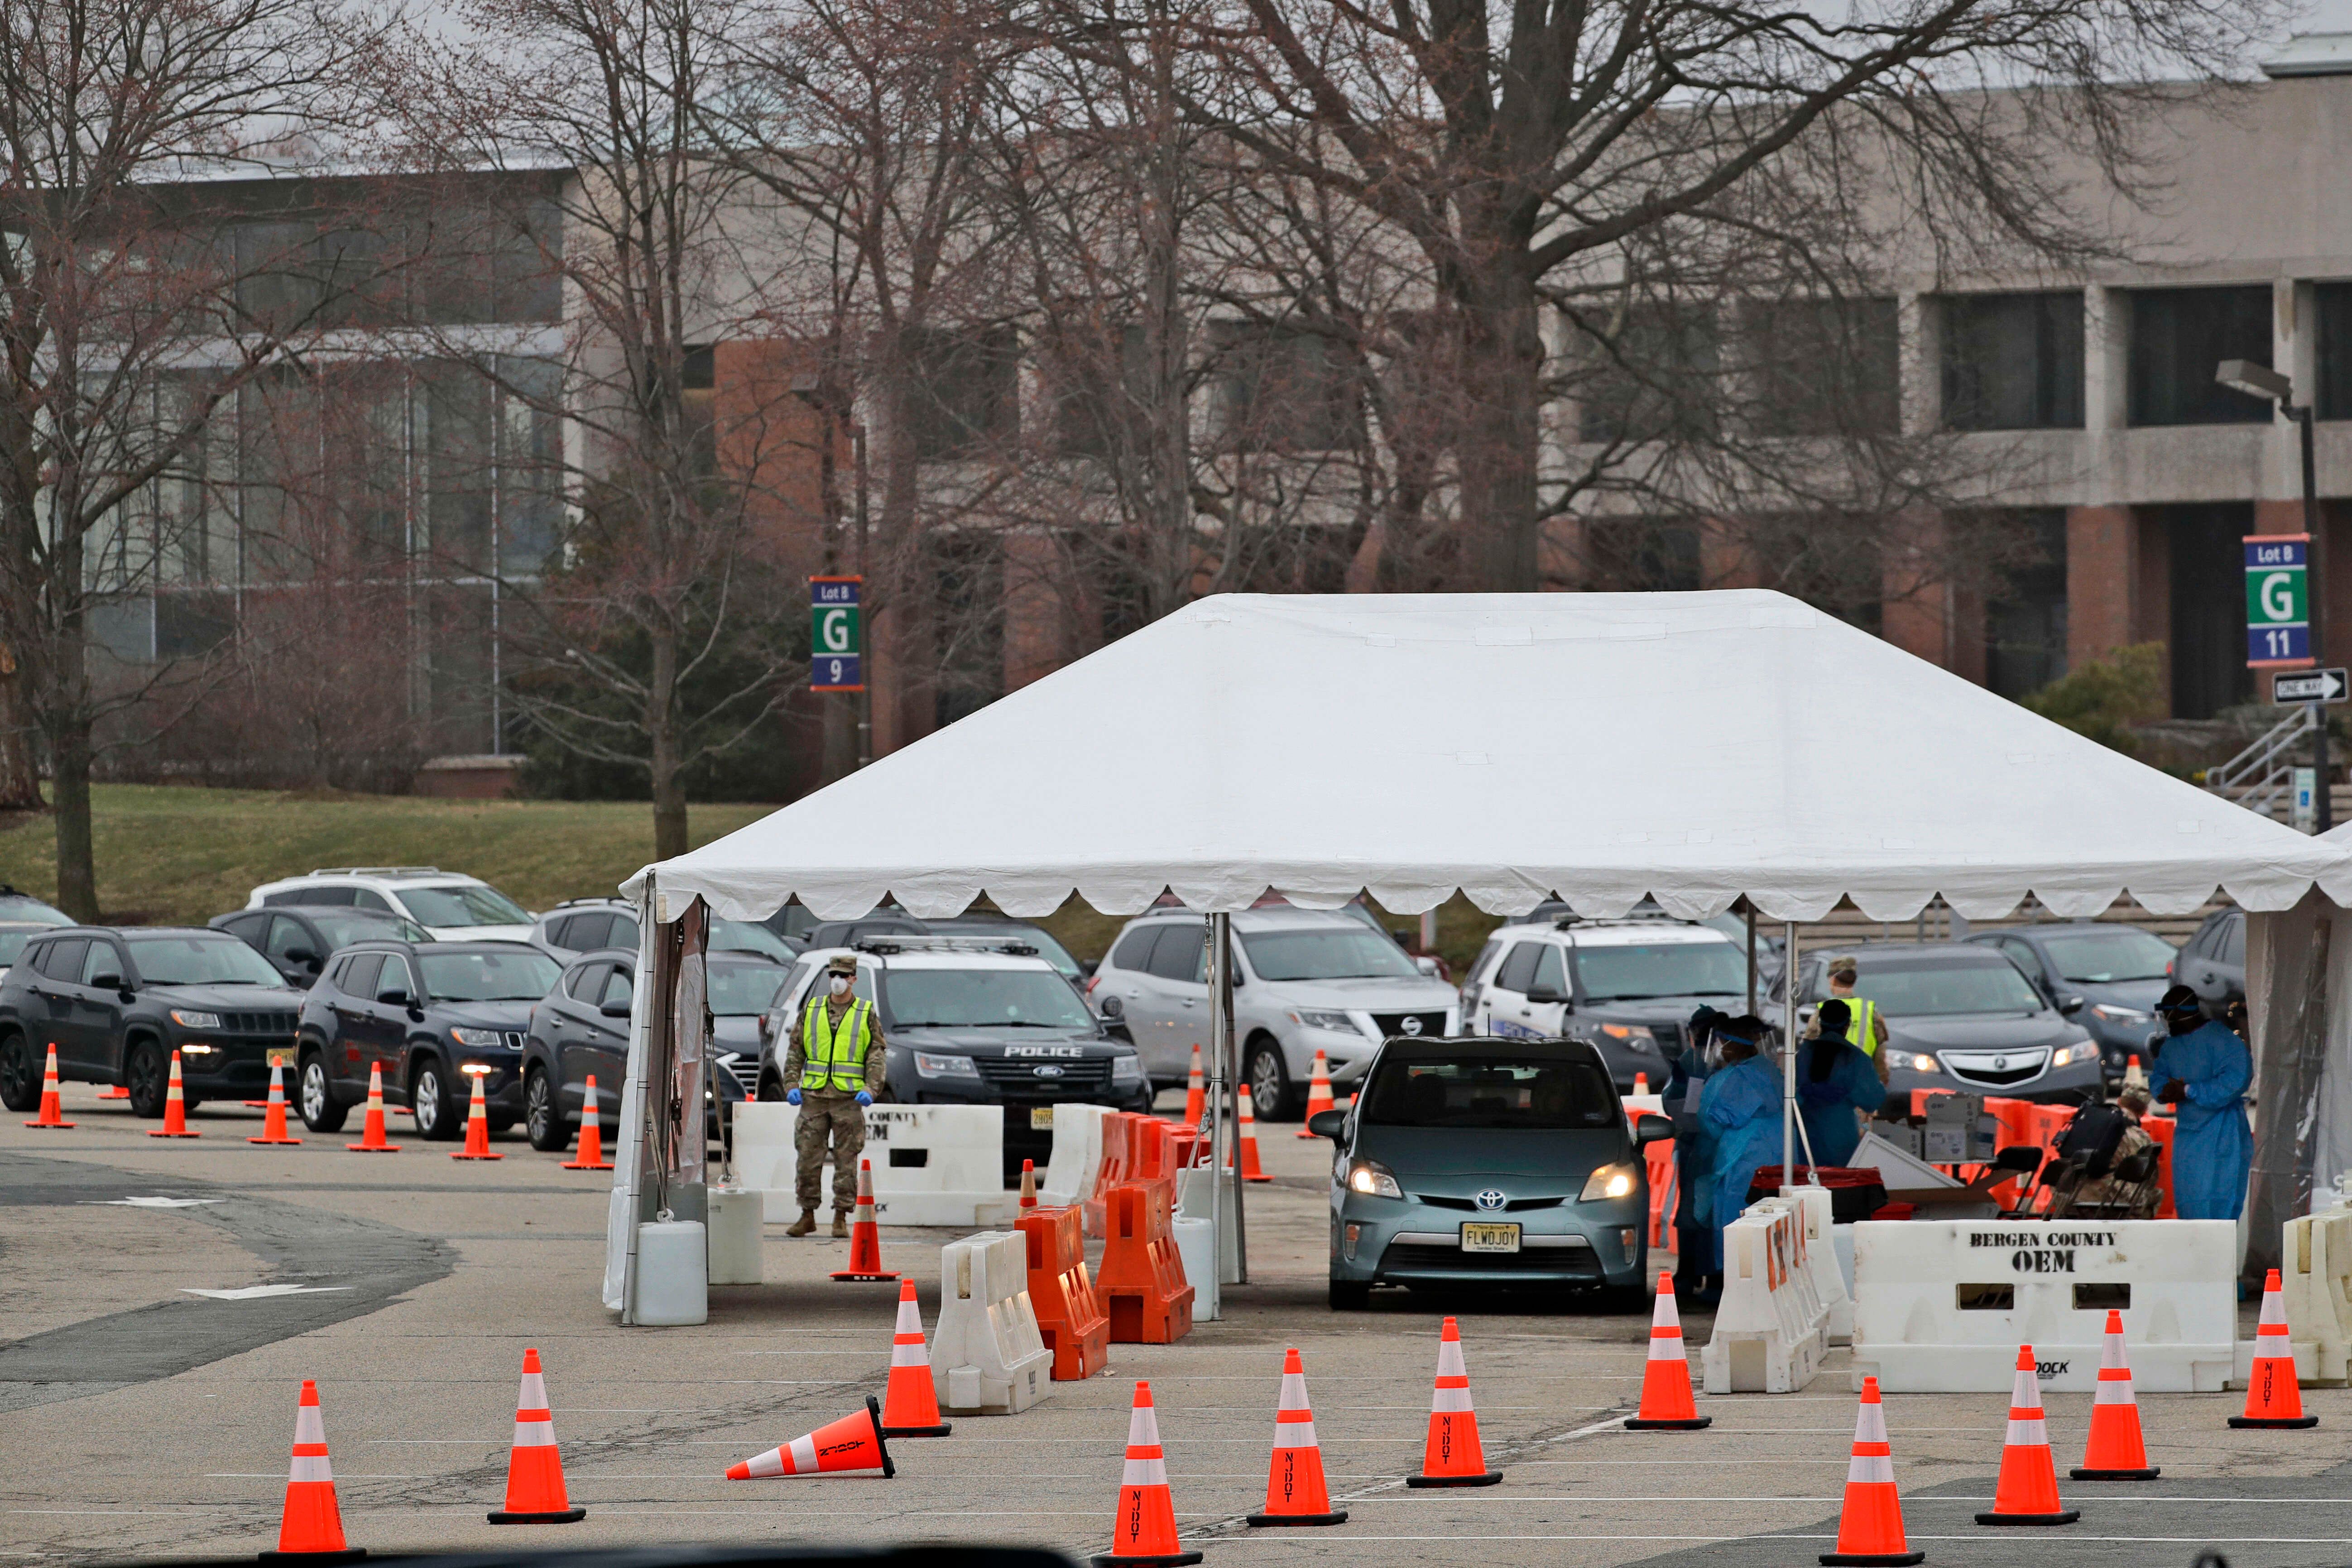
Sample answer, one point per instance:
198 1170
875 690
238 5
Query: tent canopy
1601 747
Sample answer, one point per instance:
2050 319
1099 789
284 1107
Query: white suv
449 904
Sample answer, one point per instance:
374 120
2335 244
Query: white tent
1690 747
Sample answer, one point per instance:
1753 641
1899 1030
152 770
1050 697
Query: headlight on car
2067 1056
929 1065
1608 1182
1126 1069
1373 1179
478 1040
190 1020
2108 1012
1338 1023
1917 1061
1637 1035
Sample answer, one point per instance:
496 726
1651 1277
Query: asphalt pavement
144 1421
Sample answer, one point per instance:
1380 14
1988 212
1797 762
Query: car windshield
463 904
1326 955
1917 990
1666 968
200 960
525 975
1490 1092
29 909
739 990
982 999
341 928
2103 957
748 936
13 938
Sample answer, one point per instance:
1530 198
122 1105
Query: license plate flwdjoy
1476 1237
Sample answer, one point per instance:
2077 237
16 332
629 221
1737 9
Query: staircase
2262 777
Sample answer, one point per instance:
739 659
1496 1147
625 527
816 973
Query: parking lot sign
836 647
2278 600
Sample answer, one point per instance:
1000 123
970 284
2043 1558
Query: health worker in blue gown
2202 1070
1834 1080
1741 1107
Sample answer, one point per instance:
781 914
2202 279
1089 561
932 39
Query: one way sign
2310 686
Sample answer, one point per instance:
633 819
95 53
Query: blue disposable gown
1694 1142
1742 1105
2213 1147
1828 1107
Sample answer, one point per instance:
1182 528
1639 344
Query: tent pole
1751 957
1790 975
1221 1036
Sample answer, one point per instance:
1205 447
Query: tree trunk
76 860
1501 432
20 778
661 733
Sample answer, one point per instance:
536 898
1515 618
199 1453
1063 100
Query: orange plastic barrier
1117 1158
1151 1150
1660 1158
1142 1281
2022 1121
1069 1314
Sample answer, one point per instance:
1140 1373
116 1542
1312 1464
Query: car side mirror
1332 1124
614 1009
1427 964
301 955
106 983
1112 1007
1087 966
1544 994
2070 1005
394 999
1651 1128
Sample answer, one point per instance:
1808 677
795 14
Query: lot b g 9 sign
836 648
2278 600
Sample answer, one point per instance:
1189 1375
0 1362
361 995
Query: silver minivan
1303 981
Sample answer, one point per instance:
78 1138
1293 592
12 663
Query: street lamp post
2260 380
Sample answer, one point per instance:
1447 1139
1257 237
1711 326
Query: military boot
803 1226
840 1225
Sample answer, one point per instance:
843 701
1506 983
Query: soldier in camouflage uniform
834 1065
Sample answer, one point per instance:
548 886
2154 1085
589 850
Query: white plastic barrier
764 1158
933 1165
2315 1280
1940 1306
1076 1159
1770 1328
1815 1213
987 1357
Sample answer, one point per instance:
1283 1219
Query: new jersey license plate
1476 1237
1040 1118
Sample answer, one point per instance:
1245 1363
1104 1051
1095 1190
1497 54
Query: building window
1640 556
967 622
2209 606
1285 389
1648 375
2025 617
2013 362
964 395
2179 336
1101 391
1822 367
2334 393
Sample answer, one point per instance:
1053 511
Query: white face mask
840 985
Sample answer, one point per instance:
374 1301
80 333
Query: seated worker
1834 1081
1741 1107
2133 1102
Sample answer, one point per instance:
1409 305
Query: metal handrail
2258 776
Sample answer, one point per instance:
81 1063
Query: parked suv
1625 987
451 905
584 925
117 1003
429 1013
2116 972
967 1025
2213 961
298 940
21 918
1304 980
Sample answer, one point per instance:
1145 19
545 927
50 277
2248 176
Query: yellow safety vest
830 1059
1861 1012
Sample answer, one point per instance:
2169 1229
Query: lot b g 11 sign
836 661
2278 600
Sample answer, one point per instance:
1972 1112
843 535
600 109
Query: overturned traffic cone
1453 1456
2027 1492
312 1527
591 1133
1667 1405
865 1235
477 1127
852 1443
1196 1093
1295 1492
53 1104
2115 1451
175 1109
371 1138
535 1492
1143 1532
273 1114
1250 1171
2273 1398
1318 1091
1869 1525
114 1091
910 1405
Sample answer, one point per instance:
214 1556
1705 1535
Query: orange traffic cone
1143 1532
910 1405
591 1133
1870 1526
1666 1403
114 1091
273 1115
2027 1492
1250 1171
53 1104
535 1491
175 1109
312 1527
1453 1457
2115 1451
371 1138
852 1443
1295 1490
1028 1185
1196 1093
2273 1398
865 1235
477 1126
1641 1083
1318 1091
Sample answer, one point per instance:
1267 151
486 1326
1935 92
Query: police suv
978 1020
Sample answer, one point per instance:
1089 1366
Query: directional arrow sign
2311 686
262 1292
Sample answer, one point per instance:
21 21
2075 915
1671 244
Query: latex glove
864 1097
792 1096
2173 1092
